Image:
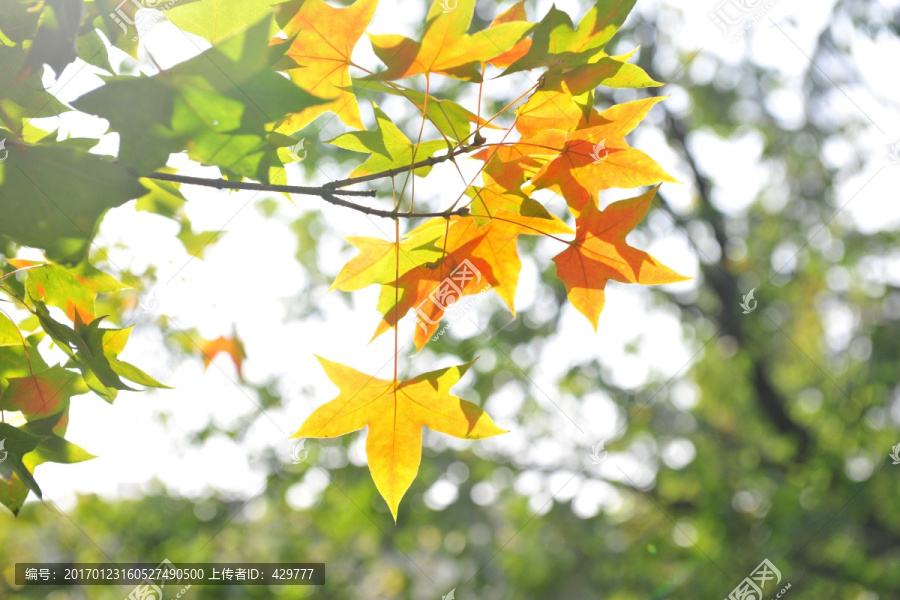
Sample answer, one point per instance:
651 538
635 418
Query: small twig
11 273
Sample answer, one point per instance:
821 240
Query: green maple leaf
215 20
220 106
449 117
73 290
15 478
557 43
94 352
52 196
388 147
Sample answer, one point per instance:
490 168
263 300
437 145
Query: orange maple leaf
596 157
481 253
514 13
232 346
599 253
395 412
508 166
434 286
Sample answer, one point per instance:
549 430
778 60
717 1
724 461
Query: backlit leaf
378 260
322 41
230 345
445 47
43 393
559 45
74 289
395 412
600 253
219 106
214 20
388 147
52 196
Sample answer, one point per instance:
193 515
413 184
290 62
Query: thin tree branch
329 191
328 195
392 214
250 185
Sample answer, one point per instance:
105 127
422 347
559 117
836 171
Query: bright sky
250 277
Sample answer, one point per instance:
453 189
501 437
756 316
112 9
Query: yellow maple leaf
323 41
394 412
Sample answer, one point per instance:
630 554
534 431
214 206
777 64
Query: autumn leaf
230 345
558 44
509 166
514 13
322 41
551 109
497 245
495 197
564 100
9 333
377 261
431 287
449 117
74 290
445 47
394 412
596 158
480 253
388 147
599 253
43 393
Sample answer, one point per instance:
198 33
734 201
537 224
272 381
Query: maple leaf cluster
564 145
271 71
